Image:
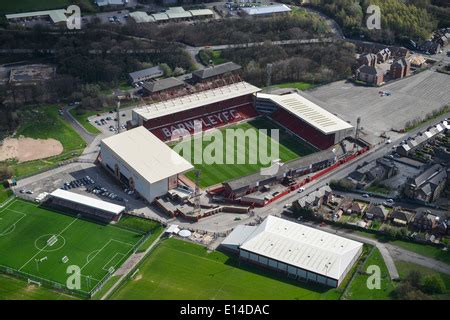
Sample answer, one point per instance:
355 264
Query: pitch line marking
67 227
13 225
114 266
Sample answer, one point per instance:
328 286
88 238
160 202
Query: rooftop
163 84
56 16
277 8
146 154
136 75
141 16
301 246
216 70
87 201
309 112
195 100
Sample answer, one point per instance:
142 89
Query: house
163 85
370 75
315 199
423 221
146 74
401 217
383 55
400 69
369 59
374 171
430 47
428 185
357 208
377 213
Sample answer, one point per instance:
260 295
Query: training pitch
290 147
40 244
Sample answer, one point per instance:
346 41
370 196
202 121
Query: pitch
40 244
290 147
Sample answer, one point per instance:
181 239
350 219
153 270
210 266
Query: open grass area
16 289
424 250
4 193
358 289
290 147
38 239
404 268
82 118
295 85
45 123
181 270
35 5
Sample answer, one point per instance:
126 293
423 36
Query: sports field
290 147
34 242
181 270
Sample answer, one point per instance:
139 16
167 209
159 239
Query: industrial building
146 74
266 10
142 162
300 252
55 16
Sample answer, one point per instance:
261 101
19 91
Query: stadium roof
195 100
278 8
146 154
309 112
56 16
87 201
141 16
216 70
163 84
153 71
303 247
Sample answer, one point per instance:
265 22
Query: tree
166 69
6 172
433 284
414 278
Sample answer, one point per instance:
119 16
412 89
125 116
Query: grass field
4 193
25 230
44 123
16 289
83 120
180 270
425 250
295 85
35 5
358 289
290 147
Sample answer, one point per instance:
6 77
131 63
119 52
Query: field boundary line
67 227
102 248
13 224
114 266
7 201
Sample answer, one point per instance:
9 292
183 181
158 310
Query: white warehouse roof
146 154
58 15
278 8
87 201
301 246
195 100
309 112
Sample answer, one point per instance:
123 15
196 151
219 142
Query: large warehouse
142 162
299 251
305 118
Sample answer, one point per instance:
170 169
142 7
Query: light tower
269 76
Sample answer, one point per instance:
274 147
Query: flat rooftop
301 246
309 112
146 154
262 10
56 16
195 100
87 201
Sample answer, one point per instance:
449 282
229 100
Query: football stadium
304 127
42 243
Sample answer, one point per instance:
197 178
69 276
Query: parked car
365 195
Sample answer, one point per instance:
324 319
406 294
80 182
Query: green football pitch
290 147
34 242
179 269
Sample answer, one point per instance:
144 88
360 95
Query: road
88 137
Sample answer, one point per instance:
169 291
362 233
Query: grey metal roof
145 73
163 84
216 70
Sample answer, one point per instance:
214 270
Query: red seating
208 120
303 130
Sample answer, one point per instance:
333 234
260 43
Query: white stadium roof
301 246
146 154
309 112
87 201
195 100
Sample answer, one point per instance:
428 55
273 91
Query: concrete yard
410 98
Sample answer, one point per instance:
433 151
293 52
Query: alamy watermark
73 13
374 19
374 280
229 146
